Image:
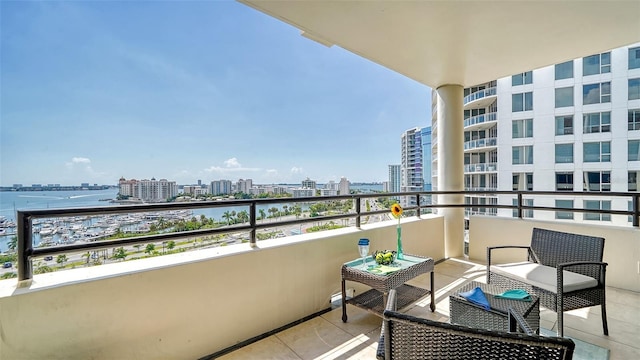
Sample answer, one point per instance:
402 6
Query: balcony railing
480 143
479 95
469 168
480 119
27 251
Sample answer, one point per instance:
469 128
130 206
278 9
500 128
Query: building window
597 151
596 64
634 150
522 128
597 205
634 89
522 155
630 217
597 180
634 180
634 58
596 93
564 153
564 181
564 97
522 181
634 119
521 79
522 102
596 122
526 213
564 70
564 204
564 125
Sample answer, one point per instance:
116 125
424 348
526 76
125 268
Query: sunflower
396 210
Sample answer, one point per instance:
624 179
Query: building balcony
243 300
484 167
487 143
481 122
480 99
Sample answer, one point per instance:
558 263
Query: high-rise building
148 190
244 186
426 157
343 186
573 126
221 187
394 178
309 184
411 164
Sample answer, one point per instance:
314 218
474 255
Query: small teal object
515 294
363 242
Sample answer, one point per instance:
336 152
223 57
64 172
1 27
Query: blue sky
187 91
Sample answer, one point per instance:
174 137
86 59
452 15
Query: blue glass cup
363 248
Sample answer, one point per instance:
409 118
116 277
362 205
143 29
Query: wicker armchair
407 337
566 258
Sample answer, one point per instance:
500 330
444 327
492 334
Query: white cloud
296 170
230 166
78 160
232 163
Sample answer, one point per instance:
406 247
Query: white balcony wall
189 305
621 249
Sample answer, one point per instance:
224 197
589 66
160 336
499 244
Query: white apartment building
309 184
344 186
394 178
573 126
148 190
303 192
244 186
220 187
411 176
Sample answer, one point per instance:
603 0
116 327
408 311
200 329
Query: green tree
227 216
262 214
61 259
243 216
171 244
13 243
150 248
120 253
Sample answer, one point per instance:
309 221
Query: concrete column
451 165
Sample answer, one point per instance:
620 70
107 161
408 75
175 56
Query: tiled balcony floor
327 337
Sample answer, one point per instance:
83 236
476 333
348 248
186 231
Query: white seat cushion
544 277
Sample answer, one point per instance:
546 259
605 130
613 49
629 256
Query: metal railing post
519 205
252 223
358 212
636 210
25 247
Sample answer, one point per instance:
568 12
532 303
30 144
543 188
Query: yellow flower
396 210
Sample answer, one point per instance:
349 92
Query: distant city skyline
188 91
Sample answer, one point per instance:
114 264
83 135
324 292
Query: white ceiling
463 42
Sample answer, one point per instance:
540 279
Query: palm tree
243 216
227 216
120 253
13 243
61 259
150 248
262 214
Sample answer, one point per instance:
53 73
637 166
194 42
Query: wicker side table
374 300
466 313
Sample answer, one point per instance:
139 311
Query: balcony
481 122
196 304
326 337
483 167
480 99
481 143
